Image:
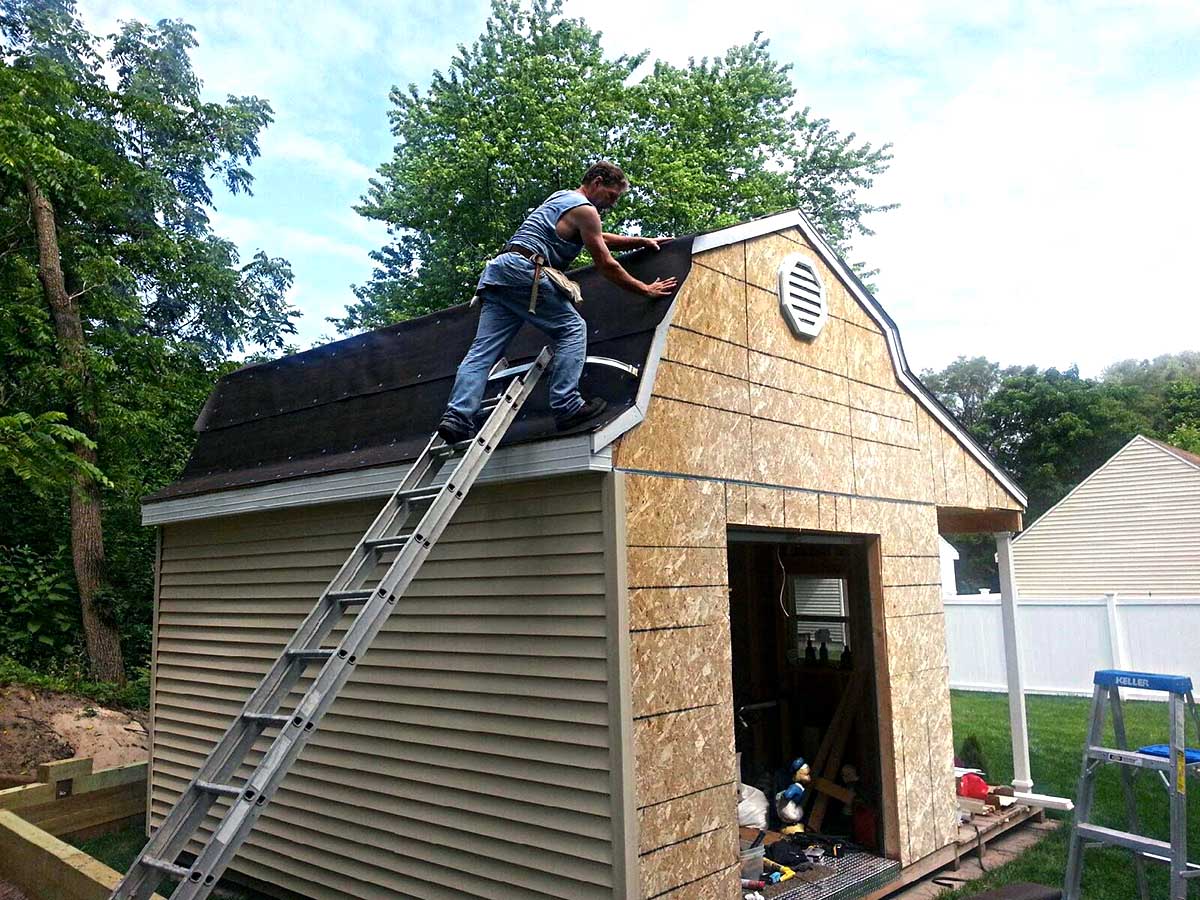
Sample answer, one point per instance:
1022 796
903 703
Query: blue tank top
537 233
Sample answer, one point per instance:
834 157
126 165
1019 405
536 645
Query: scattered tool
1173 762
409 525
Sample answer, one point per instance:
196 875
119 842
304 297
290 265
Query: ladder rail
257 714
1118 717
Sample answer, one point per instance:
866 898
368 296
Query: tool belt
539 266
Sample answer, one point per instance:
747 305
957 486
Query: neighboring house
551 710
1132 528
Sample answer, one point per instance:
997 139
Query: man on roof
525 283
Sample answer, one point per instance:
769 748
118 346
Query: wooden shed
558 706
1131 527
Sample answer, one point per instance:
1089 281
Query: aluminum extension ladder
1173 762
417 497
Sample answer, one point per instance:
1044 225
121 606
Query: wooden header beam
960 520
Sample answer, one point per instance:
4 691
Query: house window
802 296
819 604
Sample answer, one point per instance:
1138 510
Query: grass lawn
119 849
1057 730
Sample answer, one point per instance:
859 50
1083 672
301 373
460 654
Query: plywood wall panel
689 861
800 457
770 334
801 509
676 820
885 402
714 304
765 507
676 381
903 570
681 668
736 508
885 429
677 607
868 358
703 352
674 512
884 470
689 439
677 566
799 409
729 260
916 643
764 255
683 752
722 886
797 378
911 600
905 529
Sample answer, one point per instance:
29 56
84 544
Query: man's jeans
505 309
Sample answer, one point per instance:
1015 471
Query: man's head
603 184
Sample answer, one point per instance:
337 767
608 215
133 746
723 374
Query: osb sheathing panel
683 752
714 304
676 381
911 600
905 570
786 375
702 352
681 668
677 607
729 260
722 886
677 820
916 643
674 512
800 457
800 409
801 510
686 438
884 470
707 854
905 529
770 334
886 429
677 566
868 357
925 755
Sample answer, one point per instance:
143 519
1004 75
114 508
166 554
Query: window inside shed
804 675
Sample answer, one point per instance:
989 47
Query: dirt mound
39 726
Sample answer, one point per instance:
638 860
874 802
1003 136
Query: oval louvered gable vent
802 296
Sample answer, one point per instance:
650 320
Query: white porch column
1012 658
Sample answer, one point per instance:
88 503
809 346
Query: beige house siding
1132 527
477 727
749 425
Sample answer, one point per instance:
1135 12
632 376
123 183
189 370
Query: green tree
963 387
115 287
523 111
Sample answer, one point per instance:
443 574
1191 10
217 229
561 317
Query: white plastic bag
752 807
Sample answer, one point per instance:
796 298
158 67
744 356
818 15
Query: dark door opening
801 619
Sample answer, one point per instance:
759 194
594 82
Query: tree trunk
87 535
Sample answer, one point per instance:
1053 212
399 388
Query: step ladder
1173 762
409 524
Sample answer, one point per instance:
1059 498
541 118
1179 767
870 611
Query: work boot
452 432
587 412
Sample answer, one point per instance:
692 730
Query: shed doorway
804 677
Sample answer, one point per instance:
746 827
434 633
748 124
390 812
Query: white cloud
305 150
295 244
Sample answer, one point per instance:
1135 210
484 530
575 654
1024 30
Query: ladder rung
223 790
418 494
310 654
346 598
1129 758
1112 837
267 719
162 865
390 543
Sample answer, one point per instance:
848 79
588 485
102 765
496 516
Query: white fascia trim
542 459
759 227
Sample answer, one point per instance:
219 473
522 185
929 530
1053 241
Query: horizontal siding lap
478 718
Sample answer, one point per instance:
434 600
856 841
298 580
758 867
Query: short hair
610 174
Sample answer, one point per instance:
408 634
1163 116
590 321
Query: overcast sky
1045 153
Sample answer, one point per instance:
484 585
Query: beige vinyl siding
475 730
1132 527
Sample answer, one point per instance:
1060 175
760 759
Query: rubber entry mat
854 875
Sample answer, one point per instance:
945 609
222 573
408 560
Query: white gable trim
796 219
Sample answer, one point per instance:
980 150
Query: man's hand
654 243
660 288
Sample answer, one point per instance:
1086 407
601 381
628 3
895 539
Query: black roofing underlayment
374 399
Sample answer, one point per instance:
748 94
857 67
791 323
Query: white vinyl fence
1063 641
